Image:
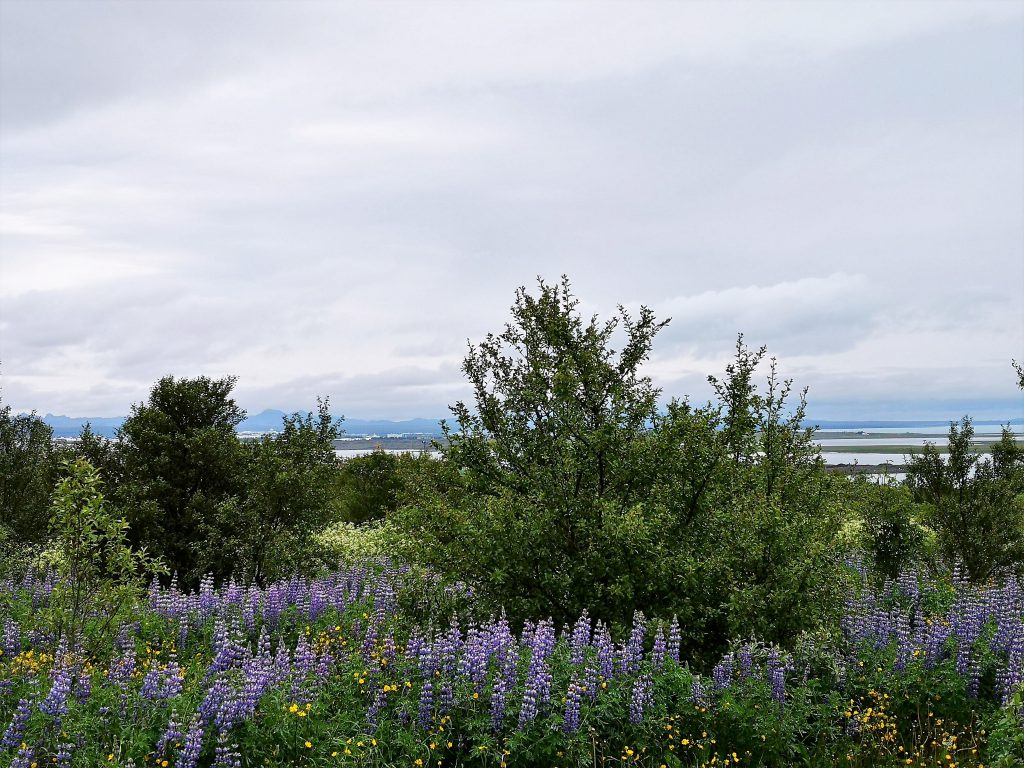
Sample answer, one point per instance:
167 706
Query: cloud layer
331 198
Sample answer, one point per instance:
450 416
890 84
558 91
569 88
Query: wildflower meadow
379 665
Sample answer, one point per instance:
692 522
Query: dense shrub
893 536
370 487
29 467
567 486
267 529
98 578
974 503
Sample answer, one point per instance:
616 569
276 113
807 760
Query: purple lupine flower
56 702
446 700
207 597
83 687
192 747
428 661
64 755
475 656
632 652
507 655
380 699
1012 676
16 730
674 640
413 645
151 683
641 698
171 737
324 663
303 663
275 604
904 642
228 648
605 651
389 651
721 675
448 647
369 643
226 755
537 688
573 696
590 681
973 676
936 635
23 758
257 679
745 655
906 582
659 649
12 638
526 636
211 704
777 676
580 639
228 712
426 709
698 692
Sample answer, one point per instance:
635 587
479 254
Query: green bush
974 503
567 487
265 531
29 467
893 536
100 578
369 487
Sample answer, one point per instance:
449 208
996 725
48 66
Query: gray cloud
331 198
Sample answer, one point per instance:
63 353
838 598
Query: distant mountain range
265 421
270 420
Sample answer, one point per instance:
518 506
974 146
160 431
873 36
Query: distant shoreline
866 469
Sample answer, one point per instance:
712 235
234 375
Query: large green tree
178 459
569 487
552 460
770 514
28 471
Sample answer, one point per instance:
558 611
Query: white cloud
333 198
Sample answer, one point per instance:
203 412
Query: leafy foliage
177 461
575 490
370 487
975 504
894 537
29 466
99 577
553 460
267 530
770 506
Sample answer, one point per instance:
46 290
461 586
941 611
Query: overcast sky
331 198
